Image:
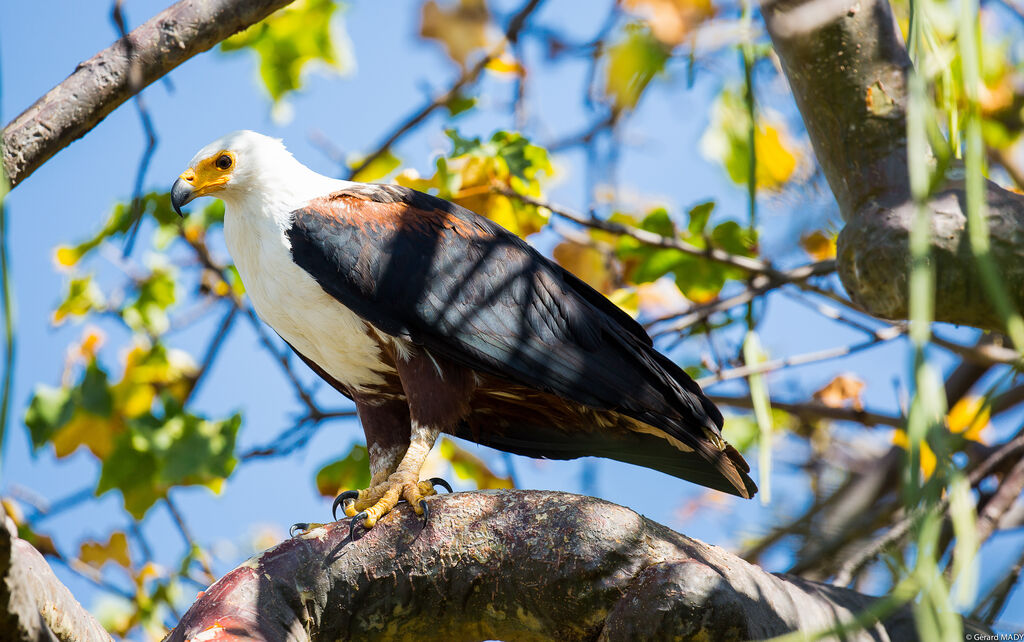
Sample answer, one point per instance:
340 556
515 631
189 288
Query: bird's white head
238 166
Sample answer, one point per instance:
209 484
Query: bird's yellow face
209 176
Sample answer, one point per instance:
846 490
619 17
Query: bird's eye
223 162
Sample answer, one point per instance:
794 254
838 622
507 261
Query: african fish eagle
434 319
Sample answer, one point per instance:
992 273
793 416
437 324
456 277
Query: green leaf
155 204
155 454
49 409
659 262
287 41
154 295
734 239
524 159
235 279
659 222
462 146
741 431
632 63
699 215
93 394
460 103
700 280
351 472
83 297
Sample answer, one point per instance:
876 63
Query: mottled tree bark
847 67
72 108
515 565
34 605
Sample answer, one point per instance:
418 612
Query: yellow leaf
586 262
411 178
86 429
506 64
377 169
13 510
220 288
468 466
842 390
463 28
899 438
819 245
969 417
133 399
65 257
150 571
775 162
193 233
115 550
671 21
726 141
627 299
633 62
92 341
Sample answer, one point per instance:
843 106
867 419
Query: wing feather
467 289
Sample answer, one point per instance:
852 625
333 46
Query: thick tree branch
34 605
515 565
848 67
99 85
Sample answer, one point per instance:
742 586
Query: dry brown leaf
844 389
462 28
586 262
671 21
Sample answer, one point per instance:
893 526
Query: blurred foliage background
877 452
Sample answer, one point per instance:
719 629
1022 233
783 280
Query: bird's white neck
276 193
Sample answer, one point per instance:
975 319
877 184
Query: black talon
423 505
340 499
437 481
355 522
296 528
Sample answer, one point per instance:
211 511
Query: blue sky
212 94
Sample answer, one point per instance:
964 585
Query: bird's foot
302 528
370 504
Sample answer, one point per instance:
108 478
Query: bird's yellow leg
404 483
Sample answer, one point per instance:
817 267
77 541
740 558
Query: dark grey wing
465 288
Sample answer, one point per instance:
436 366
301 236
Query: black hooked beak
181 193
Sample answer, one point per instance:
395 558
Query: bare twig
701 313
584 137
817 410
989 607
284 361
853 565
297 436
186 535
988 353
881 336
467 78
213 349
99 85
135 87
746 263
1006 494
